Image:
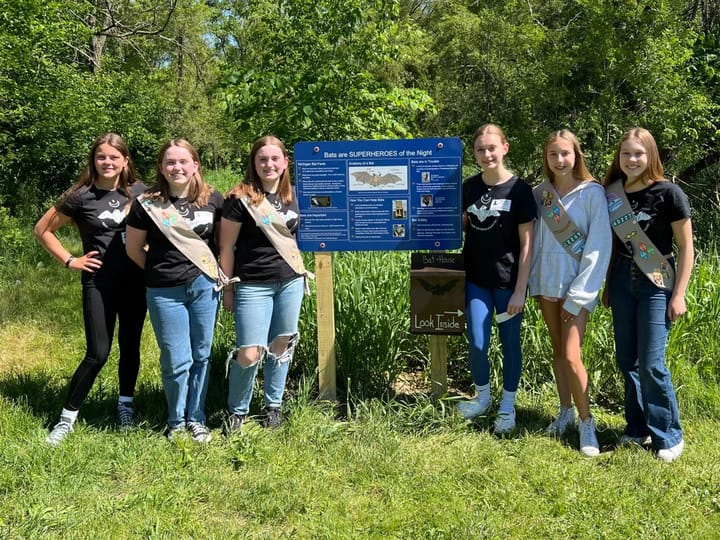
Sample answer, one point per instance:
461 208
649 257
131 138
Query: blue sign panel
379 195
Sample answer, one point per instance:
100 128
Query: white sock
125 400
69 416
507 403
482 392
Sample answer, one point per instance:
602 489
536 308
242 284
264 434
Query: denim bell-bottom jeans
641 328
183 318
263 312
481 302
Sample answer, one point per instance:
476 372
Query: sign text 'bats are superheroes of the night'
379 195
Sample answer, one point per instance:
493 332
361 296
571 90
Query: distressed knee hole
283 347
249 356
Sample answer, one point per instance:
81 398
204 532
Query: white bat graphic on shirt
200 218
482 213
289 215
116 216
642 216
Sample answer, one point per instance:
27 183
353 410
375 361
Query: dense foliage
223 72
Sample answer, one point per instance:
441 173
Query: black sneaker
233 424
126 417
273 417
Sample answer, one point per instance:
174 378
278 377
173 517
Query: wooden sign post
325 326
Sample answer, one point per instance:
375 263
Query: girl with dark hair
112 285
178 220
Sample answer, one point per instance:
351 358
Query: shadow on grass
44 395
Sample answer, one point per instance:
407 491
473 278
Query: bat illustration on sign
375 179
482 213
437 289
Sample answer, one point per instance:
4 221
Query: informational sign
437 293
379 195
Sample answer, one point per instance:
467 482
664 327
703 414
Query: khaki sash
273 225
558 221
177 230
624 223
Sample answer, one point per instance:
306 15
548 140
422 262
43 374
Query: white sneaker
668 455
640 441
199 432
588 440
505 422
473 408
59 432
564 421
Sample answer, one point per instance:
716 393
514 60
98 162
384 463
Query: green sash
624 223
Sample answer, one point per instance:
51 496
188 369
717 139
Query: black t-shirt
165 265
655 208
492 242
256 259
100 216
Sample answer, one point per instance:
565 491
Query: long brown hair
579 169
198 190
654 170
89 175
251 184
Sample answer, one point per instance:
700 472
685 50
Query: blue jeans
641 327
480 302
263 312
183 318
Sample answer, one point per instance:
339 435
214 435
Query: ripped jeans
264 312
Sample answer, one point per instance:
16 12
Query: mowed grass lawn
404 468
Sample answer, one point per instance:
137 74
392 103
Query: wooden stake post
438 365
325 326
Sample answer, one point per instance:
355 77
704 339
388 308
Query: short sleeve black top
655 208
100 217
256 259
165 265
492 242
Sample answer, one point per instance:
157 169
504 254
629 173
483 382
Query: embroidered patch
167 219
556 214
623 219
613 201
547 198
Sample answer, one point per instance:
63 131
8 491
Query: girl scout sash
273 225
177 230
624 223
558 221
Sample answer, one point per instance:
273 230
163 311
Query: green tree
320 69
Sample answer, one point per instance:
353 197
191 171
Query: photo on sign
426 201
320 201
399 230
377 178
400 209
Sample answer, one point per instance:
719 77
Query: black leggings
101 307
